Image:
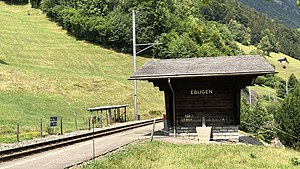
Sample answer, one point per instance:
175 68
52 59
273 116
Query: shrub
257 120
260 80
295 161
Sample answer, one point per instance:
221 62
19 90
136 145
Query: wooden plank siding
220 108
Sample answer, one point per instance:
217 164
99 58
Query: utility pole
149 45
134 65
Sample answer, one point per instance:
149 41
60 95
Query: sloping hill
283 11
44 72
292 67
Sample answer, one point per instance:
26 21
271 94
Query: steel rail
13 153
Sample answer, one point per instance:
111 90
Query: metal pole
134 66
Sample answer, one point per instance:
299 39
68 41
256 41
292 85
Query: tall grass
186 156
45 72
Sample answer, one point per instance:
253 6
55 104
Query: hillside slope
292 67
44 72
284 11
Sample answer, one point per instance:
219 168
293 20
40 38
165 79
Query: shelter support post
173 99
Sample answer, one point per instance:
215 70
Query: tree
268 43
256 120
292 82
281 89
288 119
239 32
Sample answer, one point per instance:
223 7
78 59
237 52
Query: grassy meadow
292 67
209 156
45 72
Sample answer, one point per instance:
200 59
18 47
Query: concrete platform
80 152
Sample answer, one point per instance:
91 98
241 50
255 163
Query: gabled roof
203 67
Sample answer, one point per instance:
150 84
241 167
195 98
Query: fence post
61 126
89 122
125 114
152 130
101 119
75 118
110 119
18 132
41 128
106 118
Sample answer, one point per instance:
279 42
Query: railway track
19 152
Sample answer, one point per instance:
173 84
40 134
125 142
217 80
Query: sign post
53 122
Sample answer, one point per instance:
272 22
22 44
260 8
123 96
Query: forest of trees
200 29
283 11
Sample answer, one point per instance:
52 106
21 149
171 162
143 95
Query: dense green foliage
286 12
292 83
240 32
176 24
257 120
268 43
186 28
288 119
223 11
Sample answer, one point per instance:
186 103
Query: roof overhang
182 76
204 67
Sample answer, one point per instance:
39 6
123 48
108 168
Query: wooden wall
217 99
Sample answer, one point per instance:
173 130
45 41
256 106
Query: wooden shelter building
203 89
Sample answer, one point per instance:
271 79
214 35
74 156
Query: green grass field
156 155
292 67
45 72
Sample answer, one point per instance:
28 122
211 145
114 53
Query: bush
295 161
257 121
260 80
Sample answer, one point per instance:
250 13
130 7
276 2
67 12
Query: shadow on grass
250 140
15 2
157 133
3 62
242 139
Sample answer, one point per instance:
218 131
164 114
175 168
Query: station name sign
202 92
